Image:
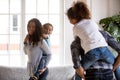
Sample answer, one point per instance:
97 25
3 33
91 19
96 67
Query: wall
99 8
68 35
103 8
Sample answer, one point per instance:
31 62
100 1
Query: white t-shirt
88 31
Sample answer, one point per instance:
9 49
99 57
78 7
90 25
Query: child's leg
93 55
90 58
107 55
110 59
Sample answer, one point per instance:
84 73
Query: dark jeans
43 76
117 73
99 74
38 74
94 74
101 53
77 77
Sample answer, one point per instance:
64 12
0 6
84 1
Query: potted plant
112 25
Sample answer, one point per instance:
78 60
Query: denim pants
77 77
104 74
101 53
99 74
92 56
117 74
43 76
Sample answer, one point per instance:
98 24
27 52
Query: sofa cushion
60 73
55 73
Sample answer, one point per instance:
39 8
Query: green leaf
112 25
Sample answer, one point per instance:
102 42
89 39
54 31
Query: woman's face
31 28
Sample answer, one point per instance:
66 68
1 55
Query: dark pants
43 76
99 74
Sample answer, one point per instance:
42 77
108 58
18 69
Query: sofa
55 73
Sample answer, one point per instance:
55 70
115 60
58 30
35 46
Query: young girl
34 46
92 40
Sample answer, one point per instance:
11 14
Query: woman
34 46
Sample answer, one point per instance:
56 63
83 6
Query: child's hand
26 39
42 70
45 36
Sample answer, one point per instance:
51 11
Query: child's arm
26 40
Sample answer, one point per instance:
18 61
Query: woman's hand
80 72
41 71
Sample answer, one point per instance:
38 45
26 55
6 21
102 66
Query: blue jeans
77 77
43 76
117 73
92 56
101 53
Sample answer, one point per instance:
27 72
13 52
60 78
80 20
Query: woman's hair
79 11
47 25
37 35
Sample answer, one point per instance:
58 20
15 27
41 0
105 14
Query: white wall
103 8
99 8
68 35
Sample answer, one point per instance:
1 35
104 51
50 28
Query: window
14 18
10 32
